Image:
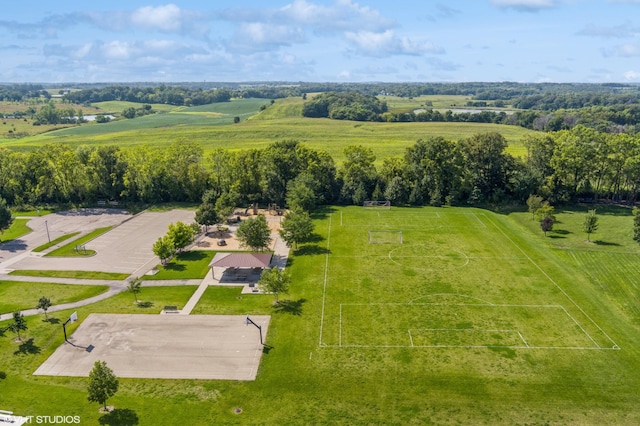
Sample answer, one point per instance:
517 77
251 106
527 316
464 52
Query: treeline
172 95
561 166
20 92
344 106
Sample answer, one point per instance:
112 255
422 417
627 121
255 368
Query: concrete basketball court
127 248
220 347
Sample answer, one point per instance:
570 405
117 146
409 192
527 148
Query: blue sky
321 40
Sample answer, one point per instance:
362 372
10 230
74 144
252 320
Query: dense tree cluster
21 92
559 166
162 94
344 106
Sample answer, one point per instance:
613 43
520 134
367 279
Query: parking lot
127 248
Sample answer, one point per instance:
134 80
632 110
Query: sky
590 41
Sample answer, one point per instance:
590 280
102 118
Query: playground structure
275 209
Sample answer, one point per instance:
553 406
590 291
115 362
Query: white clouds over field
321 40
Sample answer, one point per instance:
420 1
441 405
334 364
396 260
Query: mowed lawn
474 319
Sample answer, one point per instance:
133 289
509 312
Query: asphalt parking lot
127 248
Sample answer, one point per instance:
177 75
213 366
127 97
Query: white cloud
119 50
163 18
525 5
387 43
632 75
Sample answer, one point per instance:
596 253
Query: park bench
170 309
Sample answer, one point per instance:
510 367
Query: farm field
475 318
212 127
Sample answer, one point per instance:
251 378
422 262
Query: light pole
47 226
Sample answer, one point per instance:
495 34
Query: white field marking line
410 337
479 221
483 330
324 288
580 326
554 283
572 348
522 337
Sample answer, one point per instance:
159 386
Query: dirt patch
210 240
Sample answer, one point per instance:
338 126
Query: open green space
18 295
192 264
73 249
212 127
34 212
17 229
476 318
85 275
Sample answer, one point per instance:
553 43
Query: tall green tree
590 224
297 227
18 324
44 303
280 164
207 215
181 234
434 170
486 165
254 233
164 248
274 280
103 383
6 219
358 173
301 194
636 224
534 202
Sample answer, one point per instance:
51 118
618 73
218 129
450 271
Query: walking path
279 259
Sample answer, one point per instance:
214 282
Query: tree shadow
120 417
13 246
52 320
604 243
145 304
555 237
292 307
175 267
3 375
27 348
561 231
315 238
311 250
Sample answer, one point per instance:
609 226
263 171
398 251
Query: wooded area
559 166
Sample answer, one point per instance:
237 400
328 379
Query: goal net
385 237
377 204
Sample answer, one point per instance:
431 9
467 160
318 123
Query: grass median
73 249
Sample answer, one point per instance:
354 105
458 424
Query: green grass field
17 229
212 127
84 275
476 318
17 295
188 265
73 249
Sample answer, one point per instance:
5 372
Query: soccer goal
385 237
377 204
